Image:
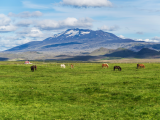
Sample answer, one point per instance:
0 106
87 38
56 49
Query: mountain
73 40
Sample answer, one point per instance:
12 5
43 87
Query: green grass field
85 92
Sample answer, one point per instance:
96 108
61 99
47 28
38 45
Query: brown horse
33 67
105 65
140 66
72 66
117 67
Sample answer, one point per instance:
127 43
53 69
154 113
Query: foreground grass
85 92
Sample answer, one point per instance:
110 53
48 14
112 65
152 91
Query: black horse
117 67
33 67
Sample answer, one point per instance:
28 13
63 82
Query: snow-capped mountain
76 40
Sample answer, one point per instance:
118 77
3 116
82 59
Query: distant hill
139 46
146 52
101 51
124 53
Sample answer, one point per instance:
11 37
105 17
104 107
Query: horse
63 66
140 65
72 66
117 67
105 65
33 67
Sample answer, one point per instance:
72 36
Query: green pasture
86 92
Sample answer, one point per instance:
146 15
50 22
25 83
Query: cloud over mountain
87 3
30 32
106 28
68 22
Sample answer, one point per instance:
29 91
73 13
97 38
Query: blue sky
22 21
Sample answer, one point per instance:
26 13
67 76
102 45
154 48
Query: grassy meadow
86 92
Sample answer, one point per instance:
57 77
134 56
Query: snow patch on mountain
83 33
72 33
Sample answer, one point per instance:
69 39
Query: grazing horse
105 65
33 67
117 67
140 65
63 66
72 66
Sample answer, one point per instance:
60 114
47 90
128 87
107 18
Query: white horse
63 66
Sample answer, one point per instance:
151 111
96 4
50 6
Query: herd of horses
104 65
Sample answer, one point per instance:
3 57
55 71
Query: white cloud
5 24
24 23
12 41
121 36
147 40
4 20
87 3
26 14
35 33
106 28
67 23
22 41
156 38
30 32
8 28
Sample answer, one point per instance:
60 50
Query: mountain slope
102 51
121 52
146 52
